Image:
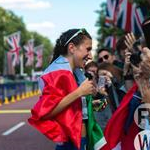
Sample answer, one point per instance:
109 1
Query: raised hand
130 40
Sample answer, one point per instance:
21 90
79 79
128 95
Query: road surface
16 133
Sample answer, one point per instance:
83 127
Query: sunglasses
74 35
100 60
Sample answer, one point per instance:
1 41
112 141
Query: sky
52 17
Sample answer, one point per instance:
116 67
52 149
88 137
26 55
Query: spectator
105 55
121 47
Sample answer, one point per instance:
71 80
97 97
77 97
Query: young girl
58 114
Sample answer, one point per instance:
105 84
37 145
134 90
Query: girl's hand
102 90
86 88
105 73
99 105
108 76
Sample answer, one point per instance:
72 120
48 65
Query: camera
135 58
88 75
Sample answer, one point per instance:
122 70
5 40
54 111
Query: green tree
10 23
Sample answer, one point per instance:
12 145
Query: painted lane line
14 111
17 126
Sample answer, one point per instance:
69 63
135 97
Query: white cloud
46 24
25 4
13 1
44 28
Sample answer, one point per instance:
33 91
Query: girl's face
82 53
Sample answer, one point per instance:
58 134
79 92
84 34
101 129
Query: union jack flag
29 47
110 41
110 20
14 42
130 17
39 56
111 12
125 15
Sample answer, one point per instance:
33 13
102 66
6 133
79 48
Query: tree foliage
10 23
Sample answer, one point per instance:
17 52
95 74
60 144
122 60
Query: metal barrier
16 88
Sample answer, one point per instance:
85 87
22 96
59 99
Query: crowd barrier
15 90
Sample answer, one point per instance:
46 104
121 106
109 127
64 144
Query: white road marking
15 111
17 126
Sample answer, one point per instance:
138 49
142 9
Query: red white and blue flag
110 21
39 56
117 137
14 42
130 17
124 15
29 47
111 12
110 41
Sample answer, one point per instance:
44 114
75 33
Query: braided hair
61 47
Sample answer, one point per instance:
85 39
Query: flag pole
5 66
21 65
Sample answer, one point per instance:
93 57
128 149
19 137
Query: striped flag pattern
39 56
29 47
14 42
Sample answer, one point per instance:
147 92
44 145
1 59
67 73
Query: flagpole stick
21 65
32 73
32 70
4 70
5 65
